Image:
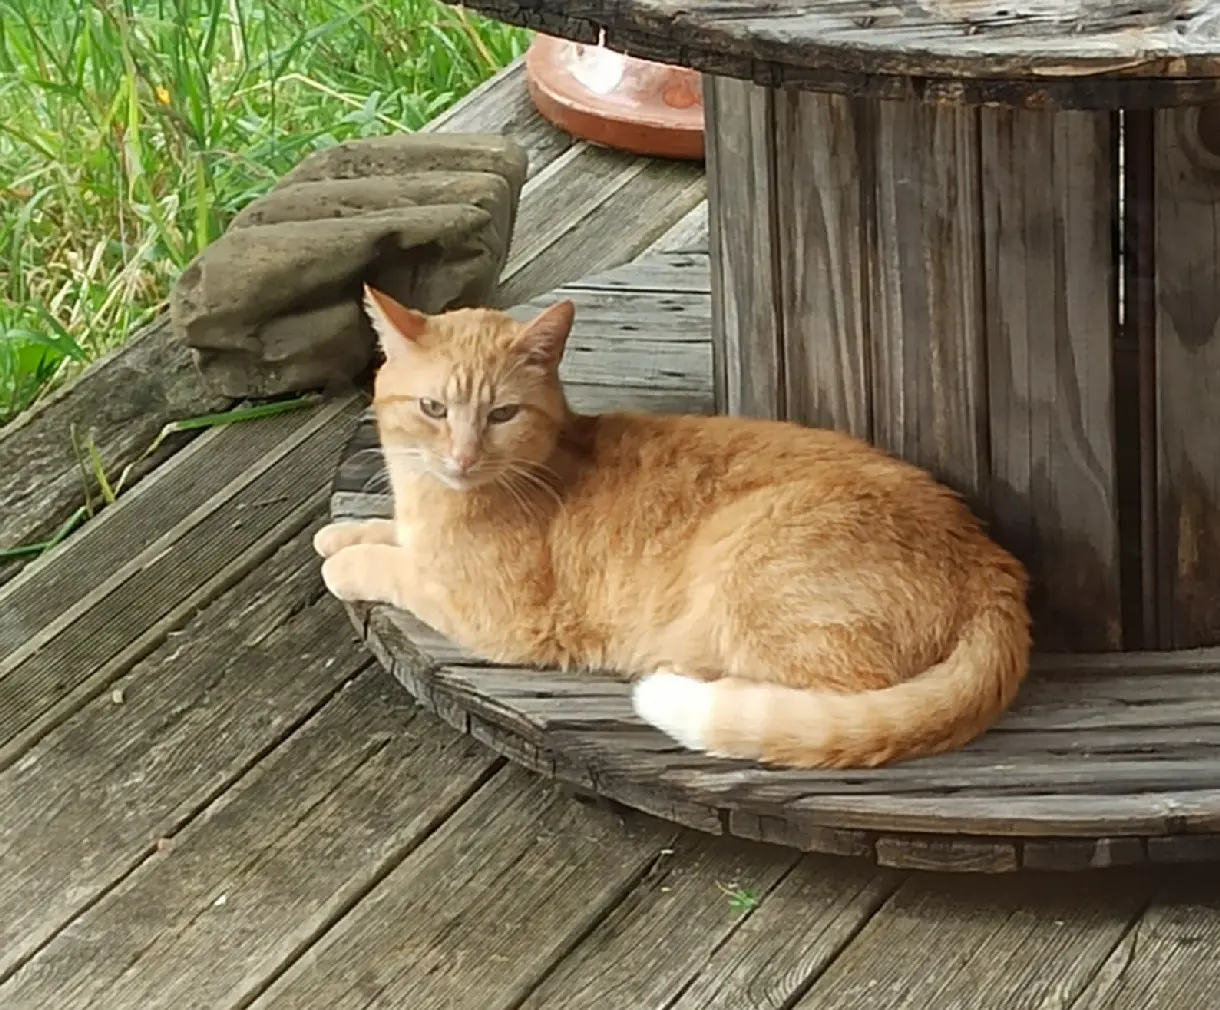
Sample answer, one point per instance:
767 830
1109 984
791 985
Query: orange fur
787 594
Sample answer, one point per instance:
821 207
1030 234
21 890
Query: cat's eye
432 408
498 415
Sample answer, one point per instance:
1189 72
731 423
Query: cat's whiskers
533 481
377 483
543 468
527 505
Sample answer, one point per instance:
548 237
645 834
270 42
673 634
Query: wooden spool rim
921 824
915 49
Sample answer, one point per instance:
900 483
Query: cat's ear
396 326
543 340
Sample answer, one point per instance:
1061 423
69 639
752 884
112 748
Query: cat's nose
462 461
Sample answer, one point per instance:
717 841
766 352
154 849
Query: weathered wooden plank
591 210
1171 662
590 399
690 235
581 729
1077 854
479 913
1050 201
121 401
244 888
593 361
776 829
959 855
117 621
1024 941
1167 958
87 804
1188 374
1079 42
502 105
746 321
926 295
189 479
1203 848
659 273
638 338
573 761
959 777
790 939
824 165
1078 814
1135 391
657 942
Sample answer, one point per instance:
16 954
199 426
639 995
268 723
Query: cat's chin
457 482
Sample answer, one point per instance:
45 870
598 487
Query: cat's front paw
346 576
332 538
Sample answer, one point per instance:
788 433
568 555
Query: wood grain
810 917
590 210
216 914
1065 854
458 924
690 235
1025 941
101 629
656 943
1049 206
195 716
962 855
747 325
215 463
122 401
631 333
1164 960
1079 54
926 297
823 189
1187 211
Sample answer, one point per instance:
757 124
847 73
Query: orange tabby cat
783 593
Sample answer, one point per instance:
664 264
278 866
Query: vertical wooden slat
1187 208
824 190
721 352
1135 386
1049 195
742 216
929 377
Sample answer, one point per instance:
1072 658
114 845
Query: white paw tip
678 706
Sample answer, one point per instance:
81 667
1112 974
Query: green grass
131 131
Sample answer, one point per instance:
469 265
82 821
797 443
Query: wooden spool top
1071 54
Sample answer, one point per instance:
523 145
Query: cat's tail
942 708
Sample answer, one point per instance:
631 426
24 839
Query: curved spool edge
1094 78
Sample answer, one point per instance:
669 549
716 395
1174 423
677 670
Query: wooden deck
211 796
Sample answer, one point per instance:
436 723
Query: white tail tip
678 706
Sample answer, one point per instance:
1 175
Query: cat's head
468 397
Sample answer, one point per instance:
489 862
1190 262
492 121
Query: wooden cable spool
982 236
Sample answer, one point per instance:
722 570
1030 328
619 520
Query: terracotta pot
615 100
